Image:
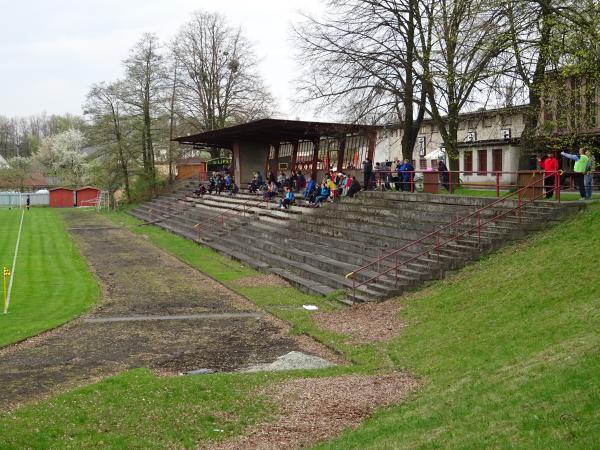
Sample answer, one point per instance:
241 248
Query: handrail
233 212
438 232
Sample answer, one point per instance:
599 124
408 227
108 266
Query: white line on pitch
14 264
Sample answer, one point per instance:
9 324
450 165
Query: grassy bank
52 282
507 350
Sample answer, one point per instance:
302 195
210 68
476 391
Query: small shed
87 196
62 197
191 168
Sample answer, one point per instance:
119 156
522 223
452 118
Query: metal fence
16 199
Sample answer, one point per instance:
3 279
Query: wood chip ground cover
370 322
317 409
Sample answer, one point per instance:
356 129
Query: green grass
52 283
136 410
508 353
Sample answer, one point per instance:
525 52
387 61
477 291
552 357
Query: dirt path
214 328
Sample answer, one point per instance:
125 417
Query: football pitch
52 283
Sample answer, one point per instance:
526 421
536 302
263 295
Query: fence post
479 227
450 176
557 185
497 184
519 207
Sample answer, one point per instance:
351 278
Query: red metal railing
453 226
498 181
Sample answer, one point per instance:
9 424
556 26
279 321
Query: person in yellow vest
579 169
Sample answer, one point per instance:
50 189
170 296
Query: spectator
256 183
272 178
200 191
588 179
323 195
212 185
580 167
368 172
550 167
406 172
444 175
332 187
271 191
300 181
288 199
354 187
395 173
28 202
293 180
282 180
311 187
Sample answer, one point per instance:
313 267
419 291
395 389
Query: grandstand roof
270 131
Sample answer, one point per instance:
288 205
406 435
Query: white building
488 142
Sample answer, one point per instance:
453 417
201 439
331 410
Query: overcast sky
51 51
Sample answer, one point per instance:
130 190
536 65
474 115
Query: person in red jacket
550 167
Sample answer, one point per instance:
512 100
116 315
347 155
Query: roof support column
372 136
294 154
237 175
341 150
274 168
315 160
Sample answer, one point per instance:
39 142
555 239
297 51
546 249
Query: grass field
52 282
508 351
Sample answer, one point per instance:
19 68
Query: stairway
315 248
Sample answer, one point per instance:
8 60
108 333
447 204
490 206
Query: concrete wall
252 157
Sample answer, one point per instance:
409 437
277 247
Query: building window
468 162
422 144
488 121
482 162
461 125
472 124
592 108
497 160
506 119
423 164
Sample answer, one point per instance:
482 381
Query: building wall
187 171
486 127
86 196
61 198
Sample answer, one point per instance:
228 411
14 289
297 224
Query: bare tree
105 106
217 82
467 37
143 90
363 60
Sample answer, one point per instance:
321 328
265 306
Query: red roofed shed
87 196
62 197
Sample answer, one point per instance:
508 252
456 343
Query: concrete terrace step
314 249
305 270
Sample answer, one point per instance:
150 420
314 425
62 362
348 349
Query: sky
52 51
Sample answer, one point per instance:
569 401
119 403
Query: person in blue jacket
311 185
288 199
323 195
406 174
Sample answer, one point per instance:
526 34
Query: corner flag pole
12 272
